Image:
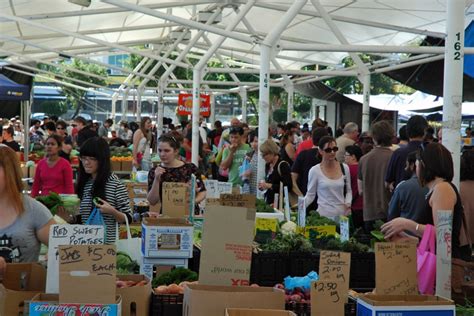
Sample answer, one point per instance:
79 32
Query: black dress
275 176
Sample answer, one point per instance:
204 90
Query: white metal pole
243 98
213 110
161 111
114 106
453 82
139 103
366 103
264 97
290 89
125 105
197 76
263 106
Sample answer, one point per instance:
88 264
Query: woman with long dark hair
172 169
95 180
141 145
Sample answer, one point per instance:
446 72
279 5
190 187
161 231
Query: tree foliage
51 107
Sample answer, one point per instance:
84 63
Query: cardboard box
210 300
404 305
167 238
135 299
147 264
87 274
115 165
256 312
48 305
127 166
21 282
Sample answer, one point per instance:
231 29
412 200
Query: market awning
12 91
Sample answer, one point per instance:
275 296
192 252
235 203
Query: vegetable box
404 305
148 264
135 299
167 238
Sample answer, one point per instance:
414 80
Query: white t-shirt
331 200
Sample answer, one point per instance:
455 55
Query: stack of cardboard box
165 242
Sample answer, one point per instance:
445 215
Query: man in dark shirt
305 161
396 172
8 140
85 131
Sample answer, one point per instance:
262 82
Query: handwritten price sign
335 265
395 268
328 298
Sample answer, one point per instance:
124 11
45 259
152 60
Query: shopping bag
426 261
130 246
96 218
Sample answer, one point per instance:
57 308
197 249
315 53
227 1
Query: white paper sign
224 188
60 235
287 204
344 224
211 189
301 212
444 230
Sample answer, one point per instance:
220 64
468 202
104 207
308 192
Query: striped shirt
116 195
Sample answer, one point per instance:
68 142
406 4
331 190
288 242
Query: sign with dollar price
328 298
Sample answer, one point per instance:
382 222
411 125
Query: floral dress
179 174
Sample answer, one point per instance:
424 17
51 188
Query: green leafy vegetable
263 207
314 219
288 243
176 276
125 264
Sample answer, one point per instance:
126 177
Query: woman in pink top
53 173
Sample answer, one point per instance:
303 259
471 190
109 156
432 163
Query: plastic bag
96 218
302 282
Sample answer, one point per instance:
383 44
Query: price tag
266 224
211 189
287 204
320 231
334 265
328 298
344 224
395 268
238 200
174 199
301 212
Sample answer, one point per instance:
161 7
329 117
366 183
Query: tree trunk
78 109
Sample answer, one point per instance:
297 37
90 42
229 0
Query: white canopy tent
260 36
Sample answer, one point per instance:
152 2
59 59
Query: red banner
185 104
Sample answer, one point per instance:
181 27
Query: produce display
263 207
125 264
120 154
314 219
286 243
175 276
52 201
125 284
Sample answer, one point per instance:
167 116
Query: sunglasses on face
329 150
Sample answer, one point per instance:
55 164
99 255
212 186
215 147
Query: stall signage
335 265
68 235
185 104
328 297
395 268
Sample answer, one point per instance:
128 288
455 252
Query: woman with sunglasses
434 168
330 182
66 148
53 173
172 169
95 180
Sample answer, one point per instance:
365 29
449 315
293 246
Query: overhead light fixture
83 3
204 16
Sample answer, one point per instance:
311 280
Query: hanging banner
185 104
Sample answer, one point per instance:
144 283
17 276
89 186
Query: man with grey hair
351 132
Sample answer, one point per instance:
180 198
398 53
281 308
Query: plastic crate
166 304
300 264
362 271
268 269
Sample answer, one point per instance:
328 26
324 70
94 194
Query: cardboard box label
444 230
328 298
87 274
68 235
167 239
175 199
334 265
266 224
238 200
227 246
395 268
